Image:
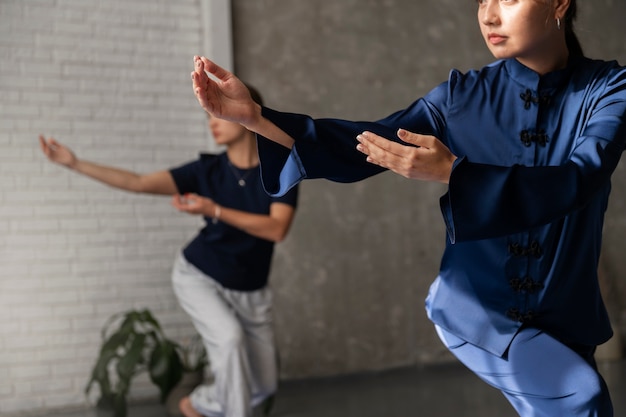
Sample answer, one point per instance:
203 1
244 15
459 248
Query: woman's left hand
194 204
427 160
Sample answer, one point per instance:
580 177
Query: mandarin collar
531 79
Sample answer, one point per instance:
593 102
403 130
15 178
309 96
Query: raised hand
56 152
224 96
428 159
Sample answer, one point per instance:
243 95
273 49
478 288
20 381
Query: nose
489 12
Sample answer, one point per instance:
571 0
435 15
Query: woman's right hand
226 96
56 152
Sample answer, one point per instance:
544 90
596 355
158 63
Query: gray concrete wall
351 279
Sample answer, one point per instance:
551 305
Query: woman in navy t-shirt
221 276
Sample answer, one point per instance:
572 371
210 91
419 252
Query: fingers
414 138
179 202
42 143
373 144
379 151
200 80
200 90
212 68
190 203
203 65
47 146
401 158
424 157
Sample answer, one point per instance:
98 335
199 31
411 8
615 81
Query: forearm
258 225
266 128
114 177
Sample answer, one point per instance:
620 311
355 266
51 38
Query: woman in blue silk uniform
527 146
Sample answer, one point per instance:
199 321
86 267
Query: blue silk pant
539 376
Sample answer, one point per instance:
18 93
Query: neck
553 59
243 153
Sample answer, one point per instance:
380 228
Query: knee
591 397
233 339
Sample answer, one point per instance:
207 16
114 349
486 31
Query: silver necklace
241 179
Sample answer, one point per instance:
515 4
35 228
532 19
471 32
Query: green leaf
115 341
165 367
131 358
148 319
100 373
131 318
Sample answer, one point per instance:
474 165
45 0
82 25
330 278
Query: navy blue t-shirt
234 258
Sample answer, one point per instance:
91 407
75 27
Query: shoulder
600 76
463 85
472 76
204 162
593 65
211 160
208 158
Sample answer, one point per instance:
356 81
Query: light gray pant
236 327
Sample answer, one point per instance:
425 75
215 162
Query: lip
495 38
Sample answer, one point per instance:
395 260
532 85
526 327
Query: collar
528 78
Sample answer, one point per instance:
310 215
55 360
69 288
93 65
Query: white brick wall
110 78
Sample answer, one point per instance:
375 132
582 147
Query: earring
558 23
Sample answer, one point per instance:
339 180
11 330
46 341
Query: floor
436 391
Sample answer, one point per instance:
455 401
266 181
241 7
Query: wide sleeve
326 148
486 201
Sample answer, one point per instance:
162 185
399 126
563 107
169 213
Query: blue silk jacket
526 199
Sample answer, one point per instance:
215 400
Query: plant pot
111 406
104 412
188 382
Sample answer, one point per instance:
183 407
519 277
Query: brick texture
109 78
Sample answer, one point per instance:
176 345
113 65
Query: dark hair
575 49
254 93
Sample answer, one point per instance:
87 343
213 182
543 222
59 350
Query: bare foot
187 409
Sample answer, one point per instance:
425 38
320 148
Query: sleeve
186 176
290 197
326 148
486 201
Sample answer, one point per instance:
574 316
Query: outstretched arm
159 182
226 97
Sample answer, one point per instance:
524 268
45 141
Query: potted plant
133 342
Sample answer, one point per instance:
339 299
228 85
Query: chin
501 55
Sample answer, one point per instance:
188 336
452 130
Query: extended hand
194 204
225 97
428 160
56 152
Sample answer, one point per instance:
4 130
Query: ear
560 8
